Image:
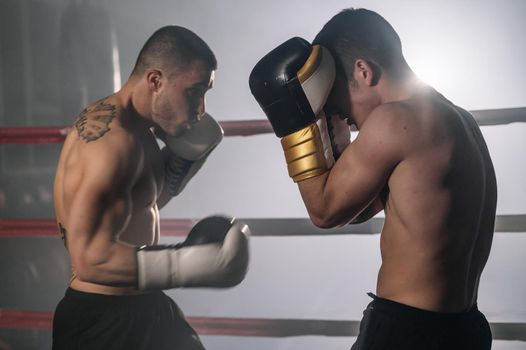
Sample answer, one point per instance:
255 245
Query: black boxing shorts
390 325
96 321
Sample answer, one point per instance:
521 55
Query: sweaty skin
109 184
424 161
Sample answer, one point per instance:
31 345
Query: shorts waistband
413 313
80 295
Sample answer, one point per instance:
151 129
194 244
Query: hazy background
56 56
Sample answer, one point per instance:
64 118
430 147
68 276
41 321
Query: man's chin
182 130
176 133
173 131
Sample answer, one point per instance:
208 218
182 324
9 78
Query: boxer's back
440 210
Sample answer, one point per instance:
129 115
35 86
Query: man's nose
200 112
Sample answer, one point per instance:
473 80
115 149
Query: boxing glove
185 155
291 84
215 254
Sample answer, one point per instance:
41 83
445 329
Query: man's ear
367 71
153 79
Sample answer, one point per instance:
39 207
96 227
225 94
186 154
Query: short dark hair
173 47
361 33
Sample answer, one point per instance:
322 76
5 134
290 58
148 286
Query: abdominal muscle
143 229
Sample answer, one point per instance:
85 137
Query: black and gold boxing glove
291 84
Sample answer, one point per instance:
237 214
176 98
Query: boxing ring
45 230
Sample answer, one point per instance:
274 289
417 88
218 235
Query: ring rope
50 134
251 327
485 117
57 134
258 227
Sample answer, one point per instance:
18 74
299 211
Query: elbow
324 221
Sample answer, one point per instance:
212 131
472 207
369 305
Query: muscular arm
352 187
100 210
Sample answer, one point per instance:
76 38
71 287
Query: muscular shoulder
100 124
392 117
95 120
390 126
104 146
412 124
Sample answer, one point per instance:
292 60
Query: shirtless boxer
112 178
417 156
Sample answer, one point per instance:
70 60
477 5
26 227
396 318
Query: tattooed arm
102 169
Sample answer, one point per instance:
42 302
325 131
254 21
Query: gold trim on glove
311 64
304 153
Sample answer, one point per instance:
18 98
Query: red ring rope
251 327
48 227
259 227
40 135
50 134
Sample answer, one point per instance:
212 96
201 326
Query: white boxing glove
185 155
215 254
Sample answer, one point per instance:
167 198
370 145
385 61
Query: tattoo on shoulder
62 231
93 122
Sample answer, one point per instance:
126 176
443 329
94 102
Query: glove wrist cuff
304 153
154 267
